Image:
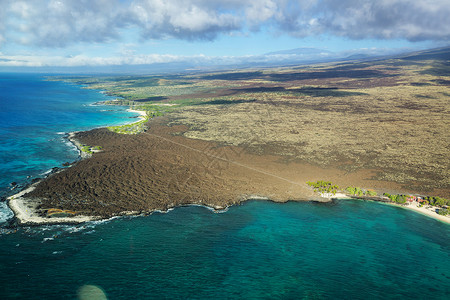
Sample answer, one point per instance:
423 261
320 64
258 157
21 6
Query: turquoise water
345 250
349 250
34 115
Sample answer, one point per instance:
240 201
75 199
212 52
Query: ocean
347 249
34 116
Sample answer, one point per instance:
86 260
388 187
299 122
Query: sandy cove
429 211
142 114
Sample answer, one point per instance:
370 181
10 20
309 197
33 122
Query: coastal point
263 134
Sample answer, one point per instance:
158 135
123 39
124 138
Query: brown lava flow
160 169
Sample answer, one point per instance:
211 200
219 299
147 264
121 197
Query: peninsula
217 139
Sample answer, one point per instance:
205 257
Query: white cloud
386 19
53 24
181 19
260 11
81 60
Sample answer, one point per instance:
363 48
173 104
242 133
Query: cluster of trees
88 149
437 201
360 192
323 186
400 199
444 211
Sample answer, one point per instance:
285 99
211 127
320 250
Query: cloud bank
300 55
52 23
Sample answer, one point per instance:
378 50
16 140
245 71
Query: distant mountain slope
438 54
290 57
302 51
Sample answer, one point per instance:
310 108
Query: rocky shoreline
30 205
159 170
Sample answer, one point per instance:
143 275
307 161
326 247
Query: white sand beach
142 113
334 196
25 210
429 211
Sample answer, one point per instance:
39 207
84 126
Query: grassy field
390 116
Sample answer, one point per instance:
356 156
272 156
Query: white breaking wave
5 212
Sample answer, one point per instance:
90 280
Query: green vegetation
86 149
425 202
444 211
356 191
371 193
328 187
133 128
323 186
392 197
152 110
89 150
437 201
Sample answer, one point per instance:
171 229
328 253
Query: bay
343 250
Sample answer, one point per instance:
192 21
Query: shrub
443 211
371 193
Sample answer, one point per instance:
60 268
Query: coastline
73 140
27 213
429 211
25 210
426 211
142 114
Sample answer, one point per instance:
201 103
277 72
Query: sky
74 33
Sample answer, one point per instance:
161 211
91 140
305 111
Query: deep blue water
34 115
346 250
